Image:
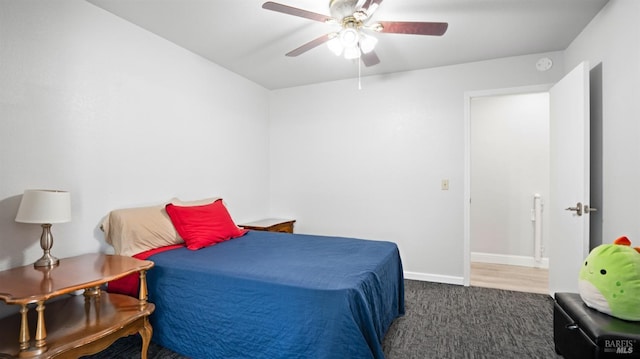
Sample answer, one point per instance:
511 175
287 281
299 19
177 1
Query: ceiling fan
354 38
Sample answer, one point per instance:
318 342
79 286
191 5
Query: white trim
510 91
525 261
467 189
437 278
467 161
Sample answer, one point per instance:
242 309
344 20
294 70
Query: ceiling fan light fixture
367 43
349 37
351 53
335 46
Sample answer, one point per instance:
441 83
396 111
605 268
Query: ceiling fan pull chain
359 75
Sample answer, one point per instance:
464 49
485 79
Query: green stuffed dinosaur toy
610 279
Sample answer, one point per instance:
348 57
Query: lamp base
47 260
46 242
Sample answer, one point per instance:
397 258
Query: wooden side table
72 326
271 225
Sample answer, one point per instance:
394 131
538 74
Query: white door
569 182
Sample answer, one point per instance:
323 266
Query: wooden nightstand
72 326
271 225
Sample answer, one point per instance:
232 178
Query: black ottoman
580 332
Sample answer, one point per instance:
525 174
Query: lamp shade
44 206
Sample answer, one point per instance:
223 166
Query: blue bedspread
274 295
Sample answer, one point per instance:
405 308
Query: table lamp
45 207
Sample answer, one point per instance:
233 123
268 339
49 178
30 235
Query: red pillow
202 226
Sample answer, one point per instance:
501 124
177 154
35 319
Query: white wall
119 117
368 163
509 164
613 40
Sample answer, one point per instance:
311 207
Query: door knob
577 209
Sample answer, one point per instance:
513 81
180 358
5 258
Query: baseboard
425 277
524 261
478 257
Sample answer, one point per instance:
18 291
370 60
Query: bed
277 295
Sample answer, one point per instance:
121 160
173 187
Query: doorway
507 172
582 102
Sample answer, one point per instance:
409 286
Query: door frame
468 96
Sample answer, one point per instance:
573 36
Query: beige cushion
134 230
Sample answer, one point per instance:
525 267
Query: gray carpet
448 321
442 321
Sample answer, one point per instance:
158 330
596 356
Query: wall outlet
445 185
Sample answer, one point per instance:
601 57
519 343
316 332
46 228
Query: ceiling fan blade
309 45
415 28
370 58
371 4
285 9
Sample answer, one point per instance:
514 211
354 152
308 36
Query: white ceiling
248 40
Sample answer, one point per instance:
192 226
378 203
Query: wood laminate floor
509 277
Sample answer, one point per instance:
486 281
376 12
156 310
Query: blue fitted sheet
275 295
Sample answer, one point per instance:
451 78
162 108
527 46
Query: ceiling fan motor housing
342 8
